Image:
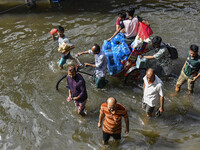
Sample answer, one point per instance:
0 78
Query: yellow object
64 46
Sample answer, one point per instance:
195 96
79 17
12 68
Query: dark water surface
33 115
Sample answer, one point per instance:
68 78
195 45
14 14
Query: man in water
77 89
190 70
100 65
152 93
62 38
163 63
112 125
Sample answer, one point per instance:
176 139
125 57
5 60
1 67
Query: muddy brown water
33 115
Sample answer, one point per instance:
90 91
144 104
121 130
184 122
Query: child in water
64 45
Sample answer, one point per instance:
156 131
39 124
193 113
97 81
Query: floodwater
33 115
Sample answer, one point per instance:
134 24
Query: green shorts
183 78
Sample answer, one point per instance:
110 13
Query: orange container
53 31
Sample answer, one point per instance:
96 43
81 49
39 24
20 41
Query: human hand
108 39
69 99
194 79
127 131
86 64
75 98
78 54
99 125
161 109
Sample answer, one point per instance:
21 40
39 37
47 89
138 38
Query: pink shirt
131 27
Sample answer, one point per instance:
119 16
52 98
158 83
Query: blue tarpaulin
116 51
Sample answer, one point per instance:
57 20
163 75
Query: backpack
172 51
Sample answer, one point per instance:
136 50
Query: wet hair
60 29
97 48
194 48
122 15
156 40
130 11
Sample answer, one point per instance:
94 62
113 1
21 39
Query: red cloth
118 21
144 31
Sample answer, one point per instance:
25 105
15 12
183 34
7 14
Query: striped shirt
113 122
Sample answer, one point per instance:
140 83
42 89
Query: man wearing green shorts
190 70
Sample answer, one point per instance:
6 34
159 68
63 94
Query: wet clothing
189 71
163 64
80 105
106 136
153 91
100 82
192 66
67 55
64 59
183 78
113 122
101 64
148 108
77 87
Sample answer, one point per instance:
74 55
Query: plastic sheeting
116 51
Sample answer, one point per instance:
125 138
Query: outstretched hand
78 54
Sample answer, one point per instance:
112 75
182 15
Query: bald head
150 75
111 103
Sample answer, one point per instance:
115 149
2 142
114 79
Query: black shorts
106 136
148 108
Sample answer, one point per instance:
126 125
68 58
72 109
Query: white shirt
153 91
100 63
64 39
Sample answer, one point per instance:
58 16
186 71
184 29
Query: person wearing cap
130 26
152 92
77 89
112 125
63 40
100 65
189 70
